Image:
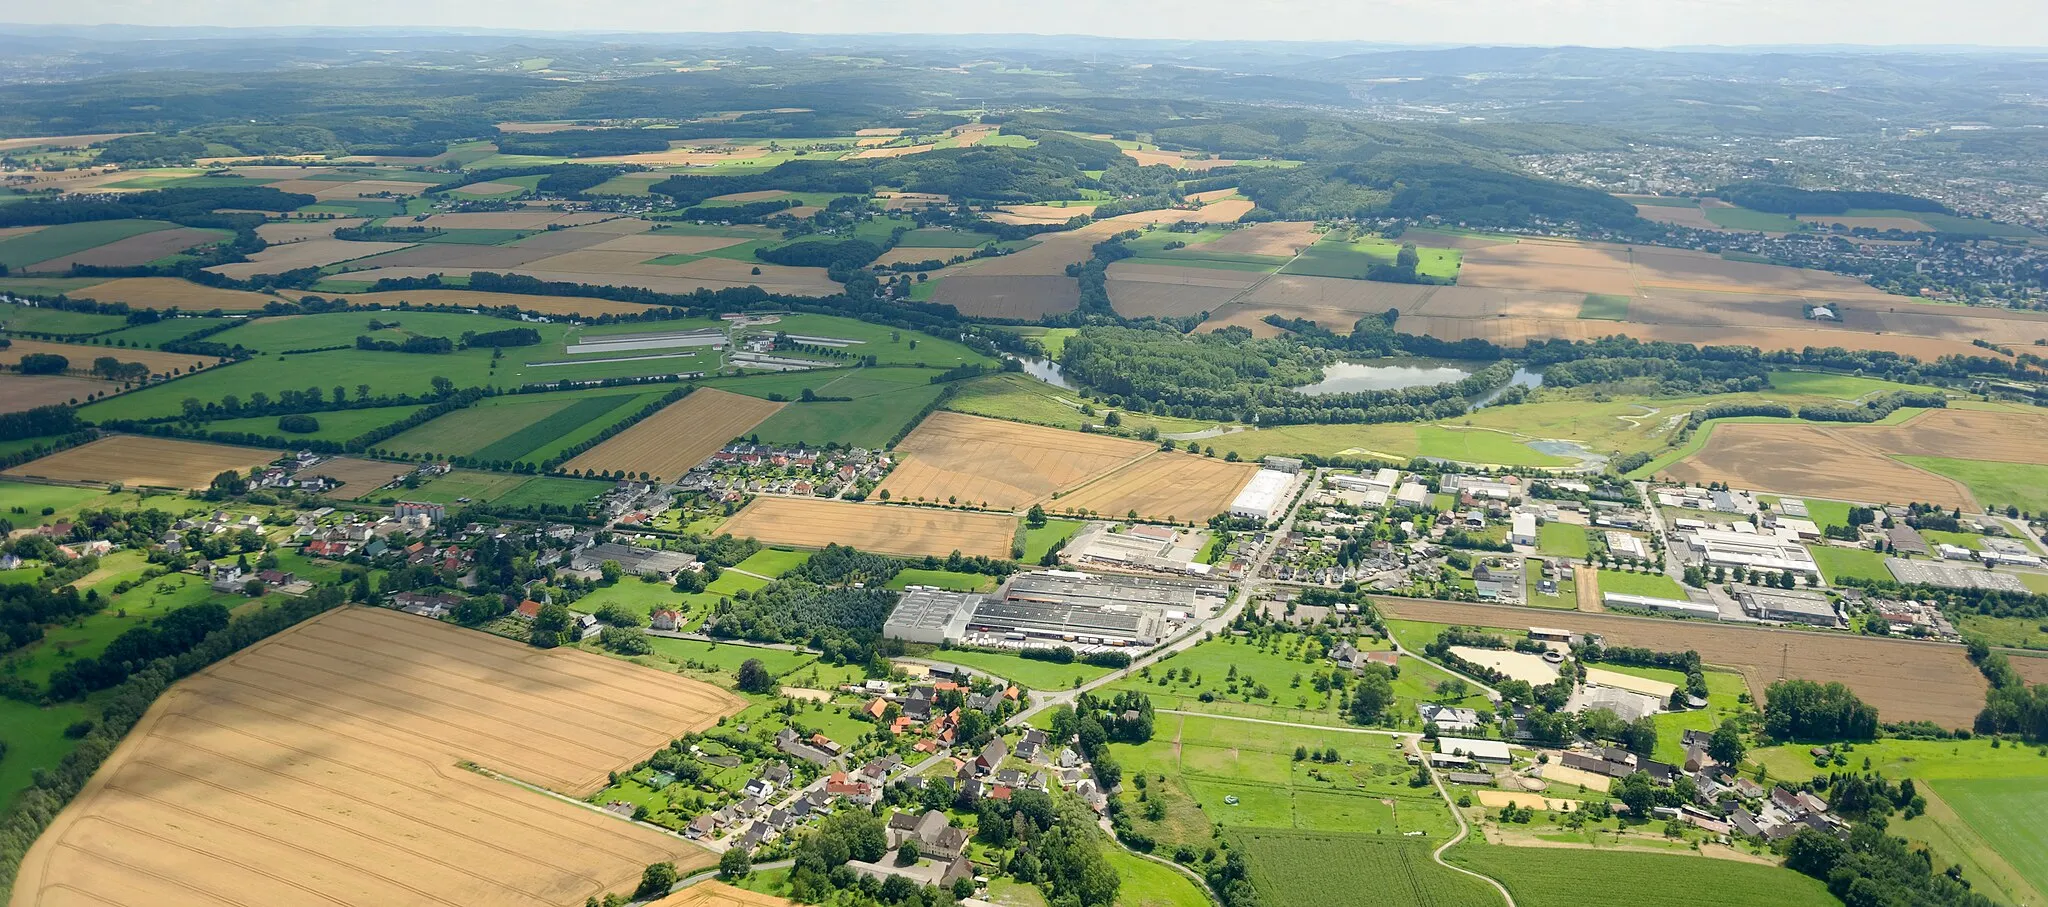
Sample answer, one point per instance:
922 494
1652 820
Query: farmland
1001 465
133 460
1814 460
291 724
1563 877
808 523
338 426
21 251
358 477
678 437
881 402
1328 867
1907 681
1168 486
504 490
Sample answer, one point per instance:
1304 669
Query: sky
1637 23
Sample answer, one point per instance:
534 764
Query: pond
1044 370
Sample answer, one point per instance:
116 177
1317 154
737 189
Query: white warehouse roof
1261 497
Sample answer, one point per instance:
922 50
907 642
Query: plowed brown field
669 442
358 477
23 392
1000 464
138 460
814 523
1962 434
1907 681
1162 486
323 766
1285 237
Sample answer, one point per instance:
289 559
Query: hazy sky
1592 22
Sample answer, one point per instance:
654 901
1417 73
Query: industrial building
634 559
1621 544
1752 551
1412 495
1138 547
1523 531
1677 606
1787 605
930 615
1264 497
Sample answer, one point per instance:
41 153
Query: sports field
138 460
811 523
306 769
678 437
1176 487
999 464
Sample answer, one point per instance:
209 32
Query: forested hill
1454 192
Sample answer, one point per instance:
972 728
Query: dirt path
1587 581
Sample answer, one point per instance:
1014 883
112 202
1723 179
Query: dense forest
1780 199
1454 192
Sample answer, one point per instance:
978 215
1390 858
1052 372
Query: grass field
46 320
2019 632
2007 813
1563 540
1335 257
22 503
1021 398
1355 870
1828 384
888 345
161 331
338 426
884 401
1148 884
1030 673
773 562
1559 877
35 741
1604 307
944 579
1655 585
66 239
501 489
1993 484
1491 447
88 636
1038 541
726 659
1849 563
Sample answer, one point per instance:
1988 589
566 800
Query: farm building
1264 497
1675 606
925 615
1523 530
1748 550
1787 605
1479 750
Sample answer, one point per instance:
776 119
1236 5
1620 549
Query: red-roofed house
528 609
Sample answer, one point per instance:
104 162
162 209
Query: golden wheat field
326 765
139 460
882 528
669 442
1162 486
998 464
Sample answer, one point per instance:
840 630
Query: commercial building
633 559
1479 750
1523 531
1264 497
1413 495
1060 606
1621 544
1142 547
1675 606
1749 550
1787 605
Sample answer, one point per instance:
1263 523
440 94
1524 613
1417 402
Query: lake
1395 374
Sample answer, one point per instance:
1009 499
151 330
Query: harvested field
512 220
666 243
719 894
82 355
21 392
1163 486
1880 224
1962 434
700 153
1810 460
487 188
305 253
707 274
1174 159
1907 681
898 201
137 460
1557 266
682 435
140 249
1047 214
358 477
171 292
1684 217
1223 212
546 305
315 766
455 257
1333 302
60 141
897 151
981 295
1683 269
1000 464
1138 290
1490 302
1275 238
881 528
1460 241
1514 331
292 230
758 195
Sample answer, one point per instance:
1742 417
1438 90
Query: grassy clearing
1563 540
1490 447
1558 877
1148 884
17 318
1026 672
1655 585
35 742
1604 307
1993 484
1333 256
2017 632
89 635
944 579
773 561
339 425
1020 398
22 503
1039 541
1828 384
1847 563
